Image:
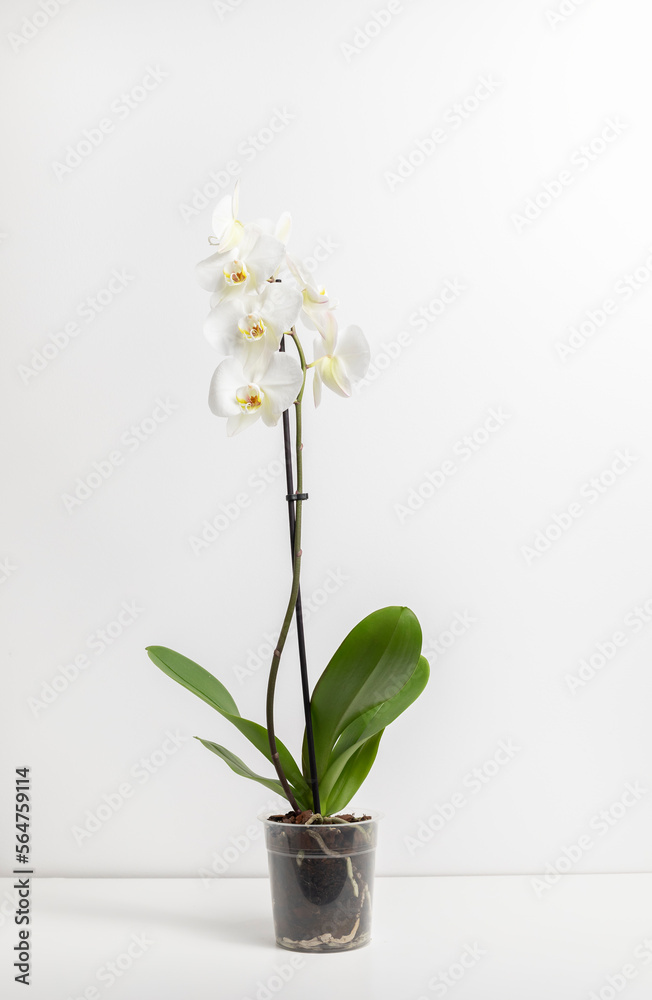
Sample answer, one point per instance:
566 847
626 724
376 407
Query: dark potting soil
303 817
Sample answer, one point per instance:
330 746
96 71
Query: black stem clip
296 496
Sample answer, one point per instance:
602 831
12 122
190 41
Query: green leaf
371 722
353 774
240 767
193 677
372 665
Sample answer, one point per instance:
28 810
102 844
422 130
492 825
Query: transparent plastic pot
321 879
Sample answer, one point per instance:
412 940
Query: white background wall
459 219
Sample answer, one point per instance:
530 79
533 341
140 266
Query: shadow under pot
321 878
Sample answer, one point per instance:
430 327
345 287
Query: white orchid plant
258 295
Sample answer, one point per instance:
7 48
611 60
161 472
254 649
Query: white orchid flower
243 394
317 312
226 226
244 268
250 327
340 360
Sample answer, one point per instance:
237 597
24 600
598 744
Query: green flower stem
296 576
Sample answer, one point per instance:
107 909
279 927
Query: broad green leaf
193 677
353 774
372 721
240 767
372 664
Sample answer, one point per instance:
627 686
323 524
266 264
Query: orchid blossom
317 310
258 292
243 394
340 361
250 327
240 269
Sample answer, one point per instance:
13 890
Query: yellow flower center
250 397
252 327
235 272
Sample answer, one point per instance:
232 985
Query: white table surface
214 940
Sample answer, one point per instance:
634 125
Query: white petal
313 295
227 378
281 383
223 216
316 386
270 412
281 305
297 271
254 355
353 352
240 423
210 272
250 235
318 349
334 376
221 326
232 236
325 322
226 225
264 258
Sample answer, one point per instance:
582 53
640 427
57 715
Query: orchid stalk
292 603
313 779
258 293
